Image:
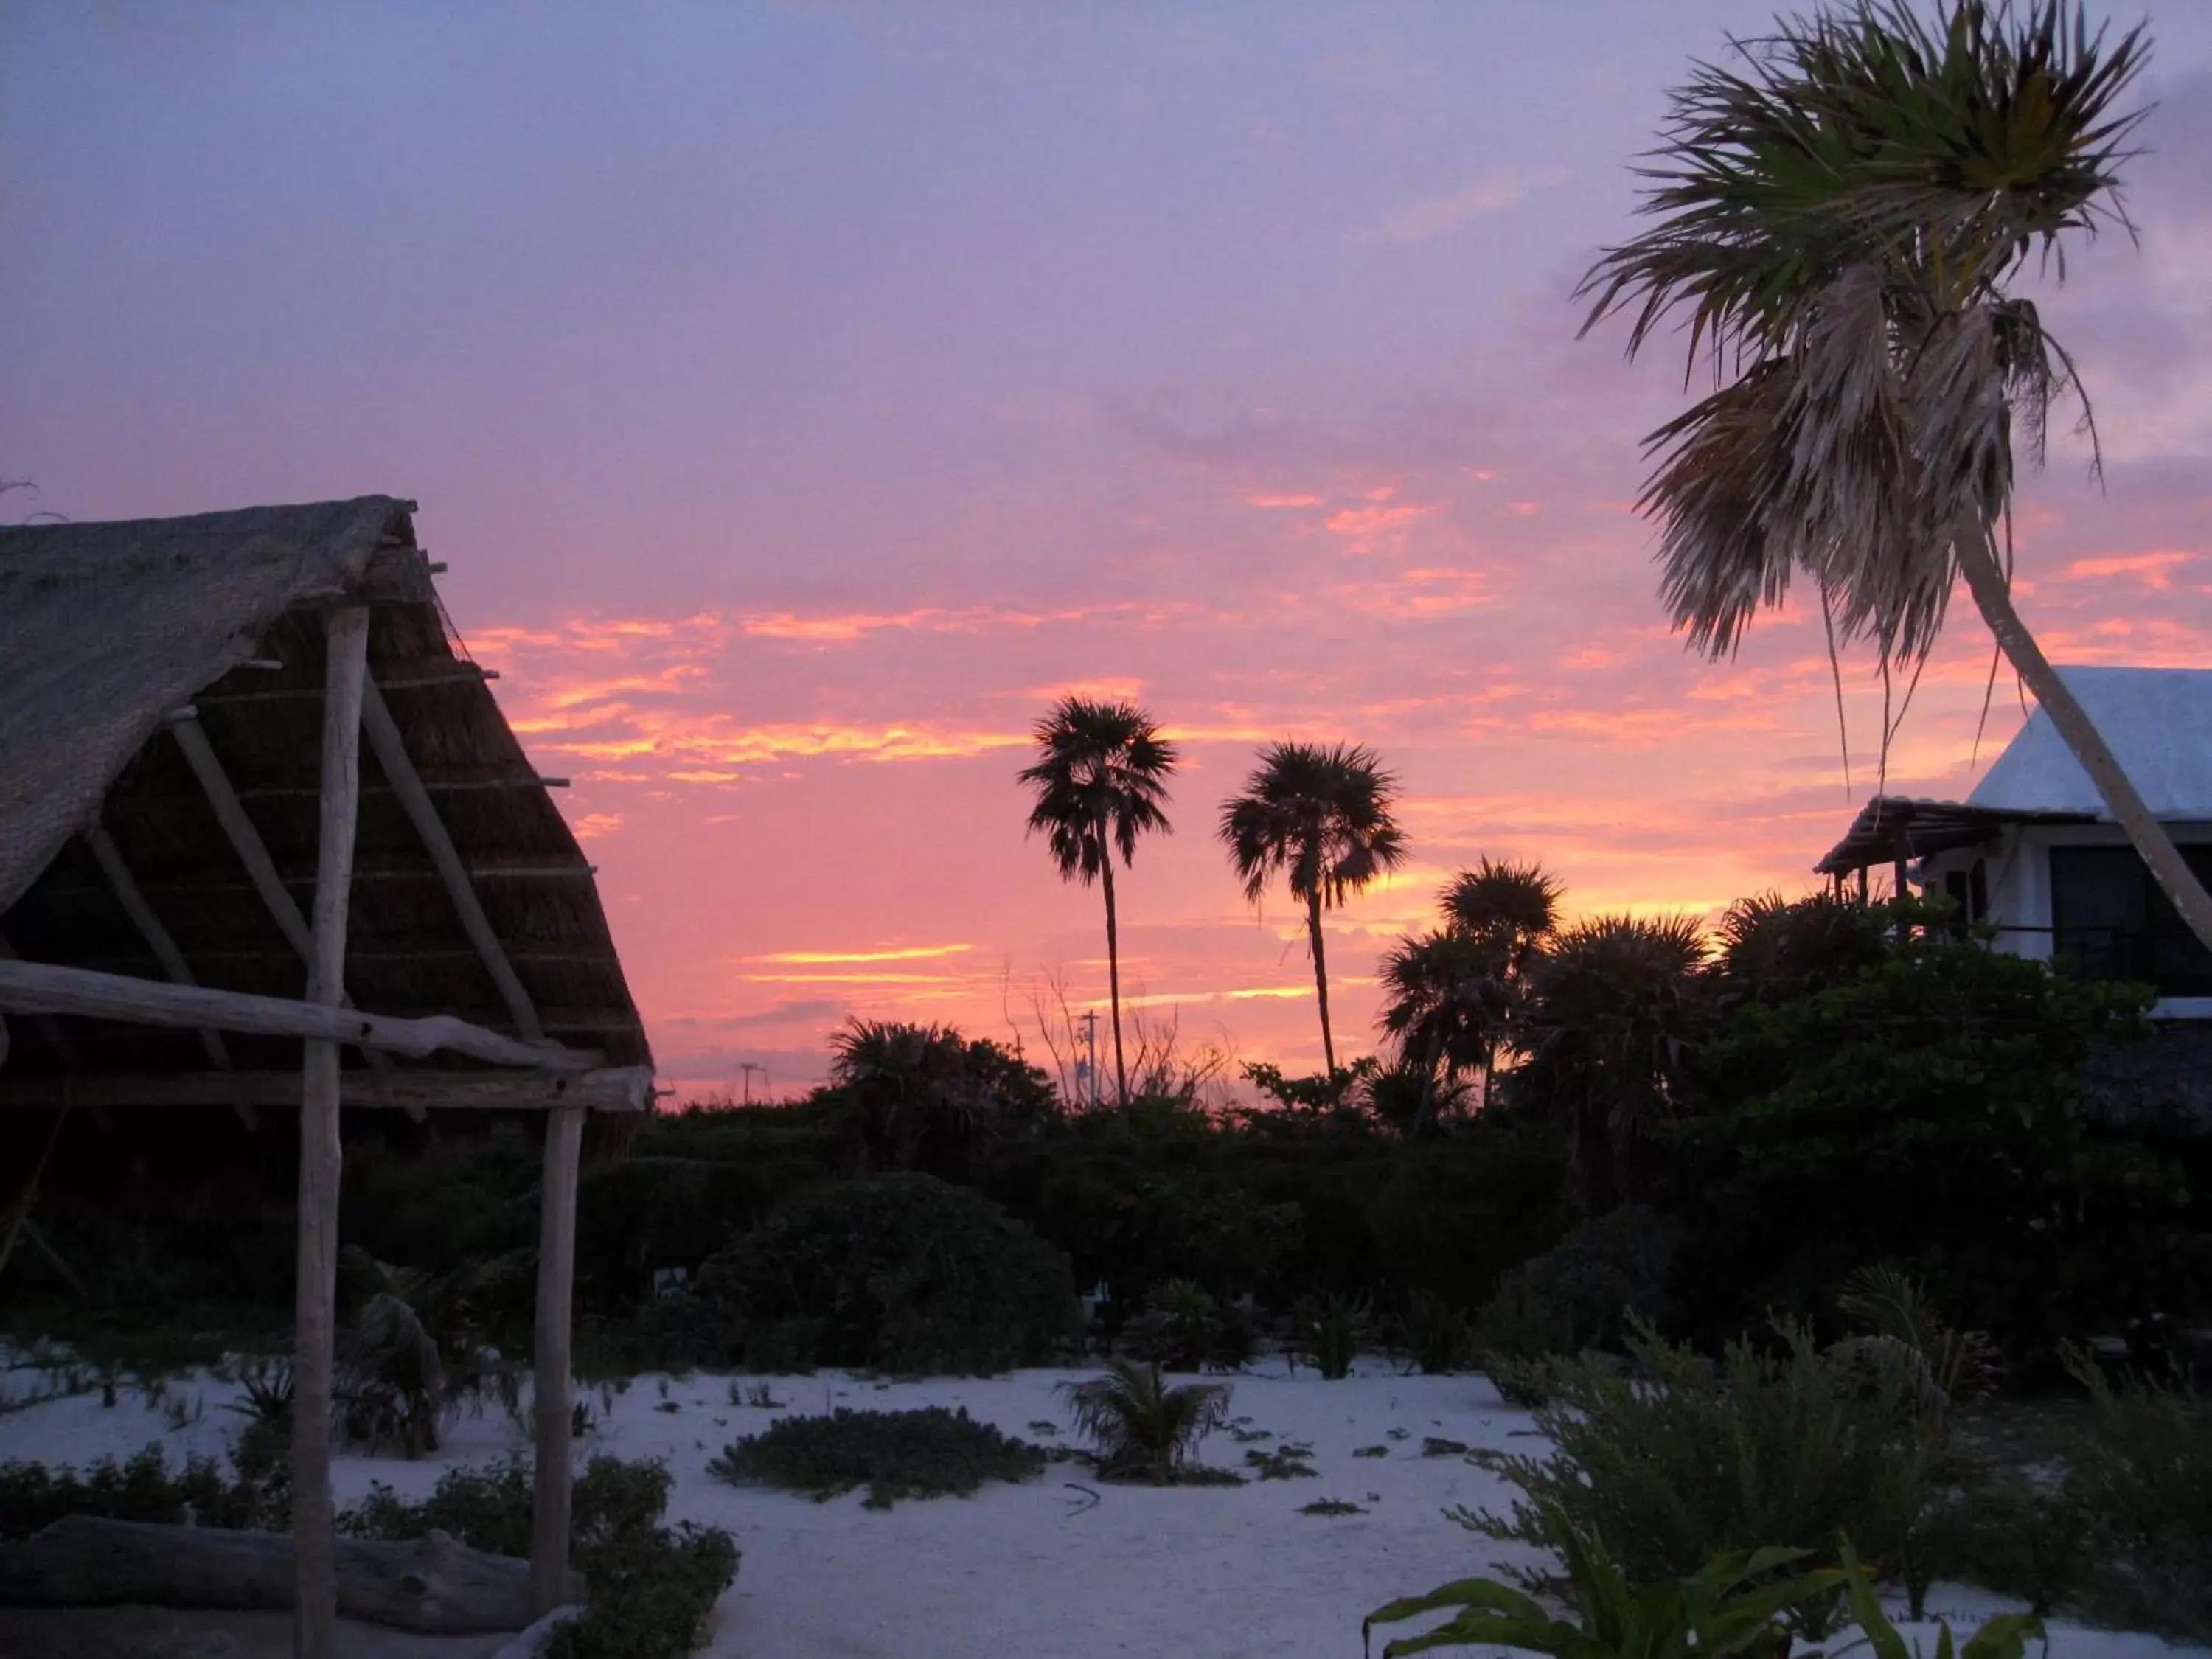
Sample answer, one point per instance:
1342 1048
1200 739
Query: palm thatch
107 630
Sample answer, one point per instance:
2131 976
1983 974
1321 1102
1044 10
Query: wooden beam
244 840
399 772
48 1027
315 1604
430 671
150 928
610 1089
41 988
557 1278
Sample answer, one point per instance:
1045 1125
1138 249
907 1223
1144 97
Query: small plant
391 1381
1331 1331
1330 1506
2004 1636
1043 1426
180 1414
1373 1451
930 1453
582 1420
1734 1606
1142 1428
1950 1368
1288 1461
1435 1445
1441 1334
268 1388
256 1493
756 1395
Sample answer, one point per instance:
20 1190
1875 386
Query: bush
1441 1335
897 1273
651 1587
1691 1460
2141 1472
1331 1331
257 1494
1585 1293
913 1454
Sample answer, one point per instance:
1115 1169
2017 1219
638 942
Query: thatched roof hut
119 641
266 841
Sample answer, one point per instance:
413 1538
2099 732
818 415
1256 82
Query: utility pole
749 1067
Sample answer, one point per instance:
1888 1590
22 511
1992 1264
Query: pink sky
803 396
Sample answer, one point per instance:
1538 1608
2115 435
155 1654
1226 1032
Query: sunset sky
806 395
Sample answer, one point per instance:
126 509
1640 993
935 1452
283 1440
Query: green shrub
1142 1428
256 1494
1585 1293
2141 1471
651 1587
928 1453
1690 1460
897 1273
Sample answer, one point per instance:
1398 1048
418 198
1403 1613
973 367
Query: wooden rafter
159 940
399 772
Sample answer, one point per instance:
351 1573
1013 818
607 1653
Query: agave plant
1142 1428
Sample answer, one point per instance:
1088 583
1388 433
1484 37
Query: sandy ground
1059 1568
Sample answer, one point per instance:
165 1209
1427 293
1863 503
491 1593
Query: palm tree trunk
1428 1084
1986 582
1114 990
1320 977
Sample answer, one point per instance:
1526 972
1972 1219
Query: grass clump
928 1453
1140 1428
652 1586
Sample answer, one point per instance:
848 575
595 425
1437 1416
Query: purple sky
804 395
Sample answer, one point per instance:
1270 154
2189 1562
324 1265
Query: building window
2110 920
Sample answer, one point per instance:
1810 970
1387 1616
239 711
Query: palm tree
1143 1429
1842 216
1616 1005
1446 992
1515 910
1100 785
1321 817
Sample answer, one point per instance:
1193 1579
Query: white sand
1035 1571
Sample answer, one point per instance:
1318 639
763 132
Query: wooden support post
556 1276
159 941
315 1607
406 783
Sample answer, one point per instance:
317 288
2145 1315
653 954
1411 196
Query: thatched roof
106 630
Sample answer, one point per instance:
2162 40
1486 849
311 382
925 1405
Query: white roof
2158 723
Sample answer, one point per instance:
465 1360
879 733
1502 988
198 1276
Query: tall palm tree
1841 217
1323 818
1100 784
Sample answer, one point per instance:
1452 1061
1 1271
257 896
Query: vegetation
1141 1428
1101 783
1323 819
1586 1292
651 1586
928 1453
1841 219
1687 1460
901 1273
1738 1602
255 1492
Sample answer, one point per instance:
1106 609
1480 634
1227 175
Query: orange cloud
908 953
2154 569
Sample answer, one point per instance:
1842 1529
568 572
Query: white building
2033 851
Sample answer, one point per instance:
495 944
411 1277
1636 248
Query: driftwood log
431 1585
